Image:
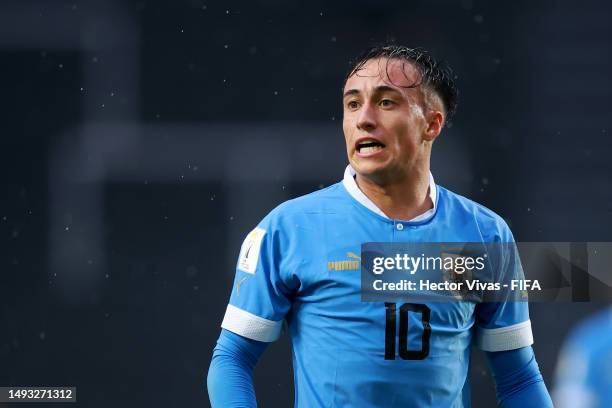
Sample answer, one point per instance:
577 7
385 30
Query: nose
366 120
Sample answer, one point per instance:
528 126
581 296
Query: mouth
368 146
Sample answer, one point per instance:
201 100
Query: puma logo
238 284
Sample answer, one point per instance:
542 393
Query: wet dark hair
435 75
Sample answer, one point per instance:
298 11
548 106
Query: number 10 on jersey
391 328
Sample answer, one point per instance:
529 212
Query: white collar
351 186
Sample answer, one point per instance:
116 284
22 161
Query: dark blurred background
141 141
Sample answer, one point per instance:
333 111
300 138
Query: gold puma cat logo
345 265
238 285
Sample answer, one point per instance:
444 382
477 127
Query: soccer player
584 373
300 265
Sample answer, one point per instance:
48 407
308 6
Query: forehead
396 73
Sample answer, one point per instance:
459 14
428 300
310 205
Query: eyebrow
378 89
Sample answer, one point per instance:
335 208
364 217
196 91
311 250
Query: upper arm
503 324
261 294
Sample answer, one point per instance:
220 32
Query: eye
352 105
387 103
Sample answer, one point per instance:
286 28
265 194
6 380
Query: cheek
348 130
406 135
410 125
401 126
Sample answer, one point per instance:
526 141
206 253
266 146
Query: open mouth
369 146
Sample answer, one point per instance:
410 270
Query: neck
403 198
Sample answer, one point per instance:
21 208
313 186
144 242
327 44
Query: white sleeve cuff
505 338
251 326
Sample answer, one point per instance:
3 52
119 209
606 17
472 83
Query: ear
435 121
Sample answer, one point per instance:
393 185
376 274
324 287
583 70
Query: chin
369 168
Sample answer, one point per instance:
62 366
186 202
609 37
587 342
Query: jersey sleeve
518 381
504 324
260 297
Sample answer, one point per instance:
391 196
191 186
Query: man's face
384 121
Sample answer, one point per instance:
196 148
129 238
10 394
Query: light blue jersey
584 373
301 264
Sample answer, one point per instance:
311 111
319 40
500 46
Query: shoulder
465 209
329 200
